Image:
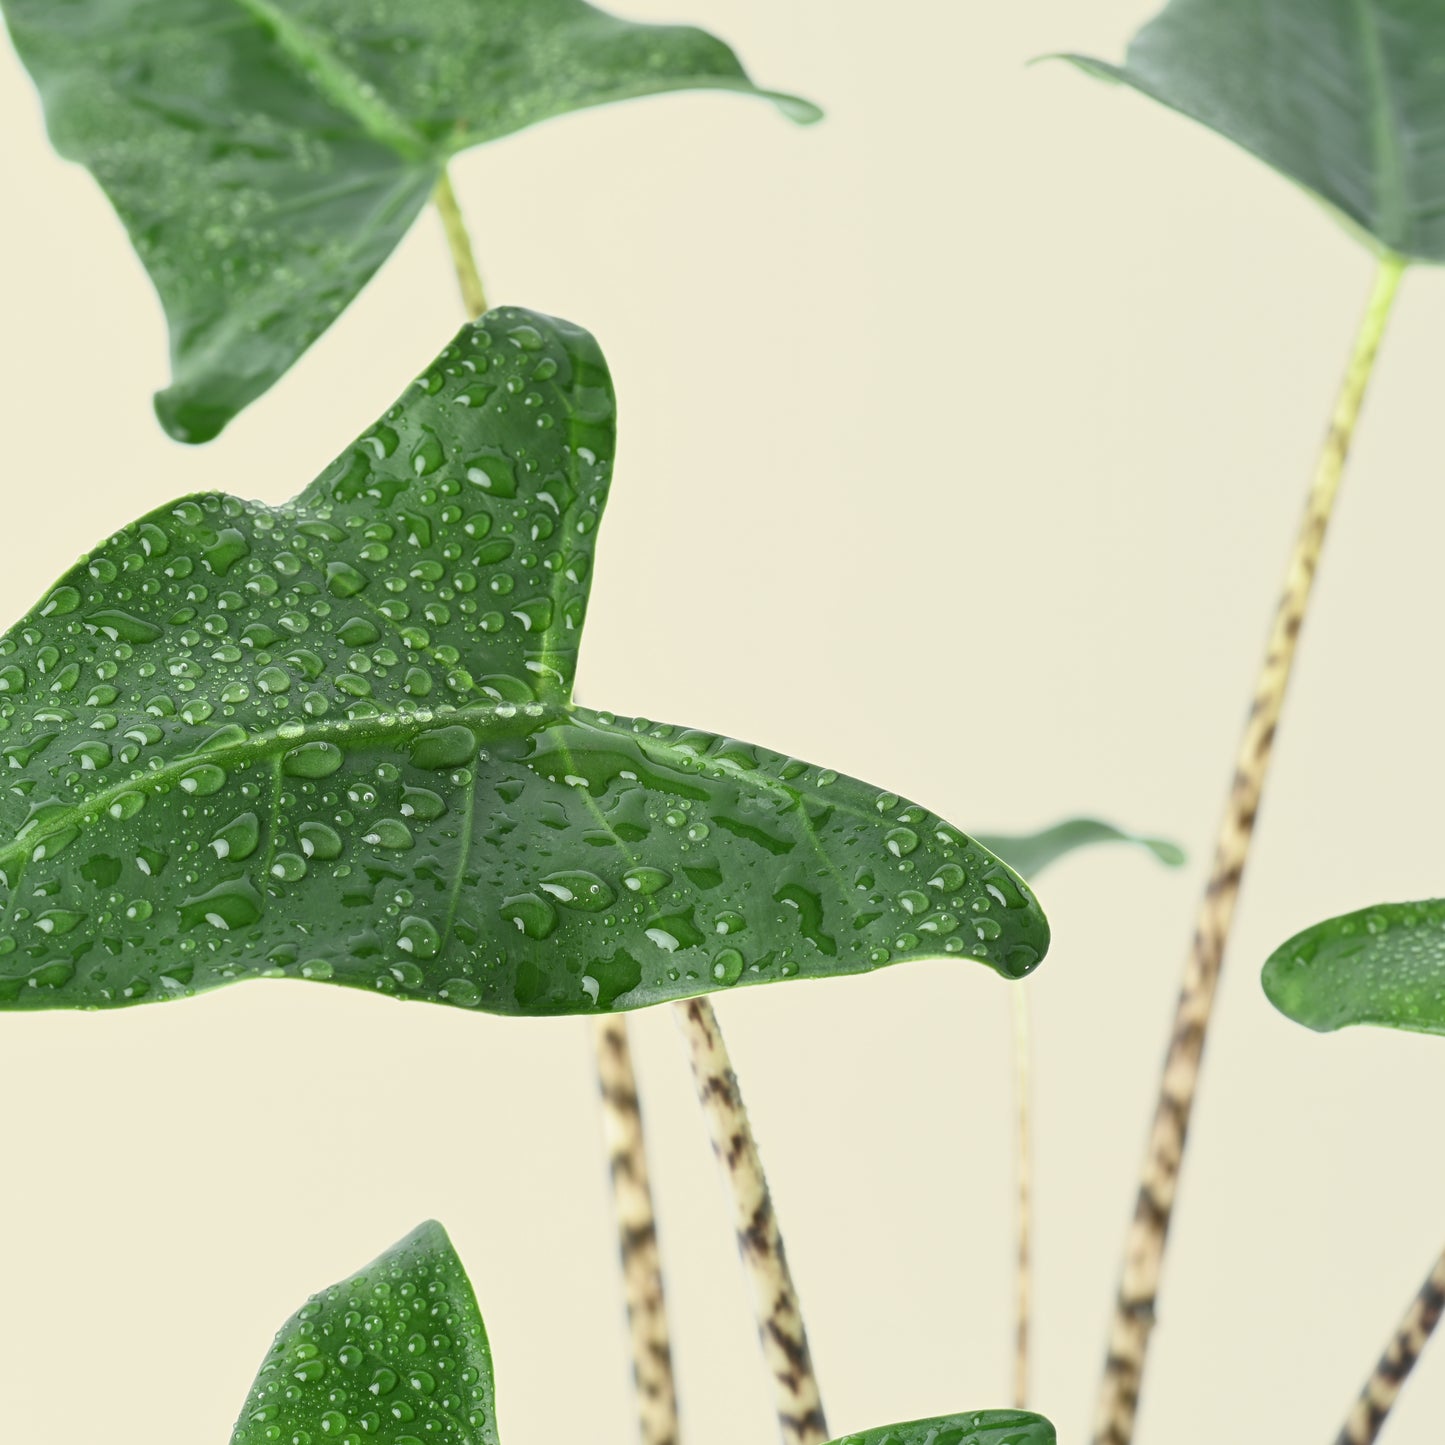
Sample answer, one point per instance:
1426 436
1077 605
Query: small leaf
267 156
1030 853
1383 965
982 1427
1343 98
395 1355
345 750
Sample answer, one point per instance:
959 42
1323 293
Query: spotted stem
1134 1309
781 1331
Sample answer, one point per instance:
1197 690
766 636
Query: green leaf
267 156
1342 96
334 740
984 1427
395 1355
398 1355
1031 853
1383 965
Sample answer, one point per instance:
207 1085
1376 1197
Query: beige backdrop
964 436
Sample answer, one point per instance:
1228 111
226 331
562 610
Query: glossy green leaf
334 740
266 156
1342 96
398 1355
395 1355
1383 965
981 1427
1030 853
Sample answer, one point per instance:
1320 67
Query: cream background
963 437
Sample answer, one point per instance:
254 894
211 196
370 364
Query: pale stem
1411 1336
1134 1311
459 242
1024 1152
652 1376
775 1299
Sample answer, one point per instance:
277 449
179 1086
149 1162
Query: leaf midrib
342 87
396 729
1384 131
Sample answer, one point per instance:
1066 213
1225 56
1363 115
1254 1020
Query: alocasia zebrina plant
267 156
334 740
398 1355
1345 100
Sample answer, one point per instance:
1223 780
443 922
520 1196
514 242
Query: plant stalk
459 242
1411 1336
1024 1150
1134 1310
652 1376
775 1299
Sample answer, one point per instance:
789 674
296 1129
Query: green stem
1134 1309
459 242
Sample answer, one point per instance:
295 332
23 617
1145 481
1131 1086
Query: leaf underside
398 1355
1342 96
395 1355
1383 965
266 156
334 740
1030 853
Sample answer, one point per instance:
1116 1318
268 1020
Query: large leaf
1382 965
398 1355
1343 96
333 740
979 1427
395 1355
266 156
1031 853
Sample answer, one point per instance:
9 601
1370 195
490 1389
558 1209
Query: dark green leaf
266 156
1342 96
1382 965
1030 853
395 1355
334 740
983 1427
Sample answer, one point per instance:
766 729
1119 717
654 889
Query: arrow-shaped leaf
267 156
334 740
395 1355
398 1355
1383 965
1031 853
1342 96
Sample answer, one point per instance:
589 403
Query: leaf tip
187 421
1088 64
1029 951
795 107
1283 993
1169 854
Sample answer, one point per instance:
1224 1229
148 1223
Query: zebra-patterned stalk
1134 1309
637 1235
1411 1336
775 1299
